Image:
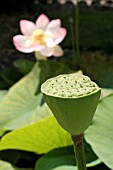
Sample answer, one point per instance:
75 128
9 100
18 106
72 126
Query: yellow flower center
39 37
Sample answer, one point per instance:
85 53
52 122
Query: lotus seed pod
73 99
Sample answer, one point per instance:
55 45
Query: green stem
79 152
77 32
74 61
38 56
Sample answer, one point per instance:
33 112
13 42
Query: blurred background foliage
95 35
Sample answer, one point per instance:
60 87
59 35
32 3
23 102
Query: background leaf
10 75
55 158
21 102
2 94
7 166
106 92
24 66
24 99
39 137
65 156
23 168
100 133
65 168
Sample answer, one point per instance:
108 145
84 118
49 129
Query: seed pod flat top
69 86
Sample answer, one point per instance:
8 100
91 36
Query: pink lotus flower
43 36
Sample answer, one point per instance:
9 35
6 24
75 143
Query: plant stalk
73 40
38 56
77 33
79 152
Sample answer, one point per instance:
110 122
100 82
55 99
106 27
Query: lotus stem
77 34
38 56
79 152
74 59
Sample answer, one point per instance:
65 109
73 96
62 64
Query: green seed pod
73 99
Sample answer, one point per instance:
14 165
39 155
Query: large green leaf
1 132
23 65
21 105
100 133
99 167
65 156
7 166
55 158
22 168
21 102
16 157
2 94
106 92
65 168
39 137
10 75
